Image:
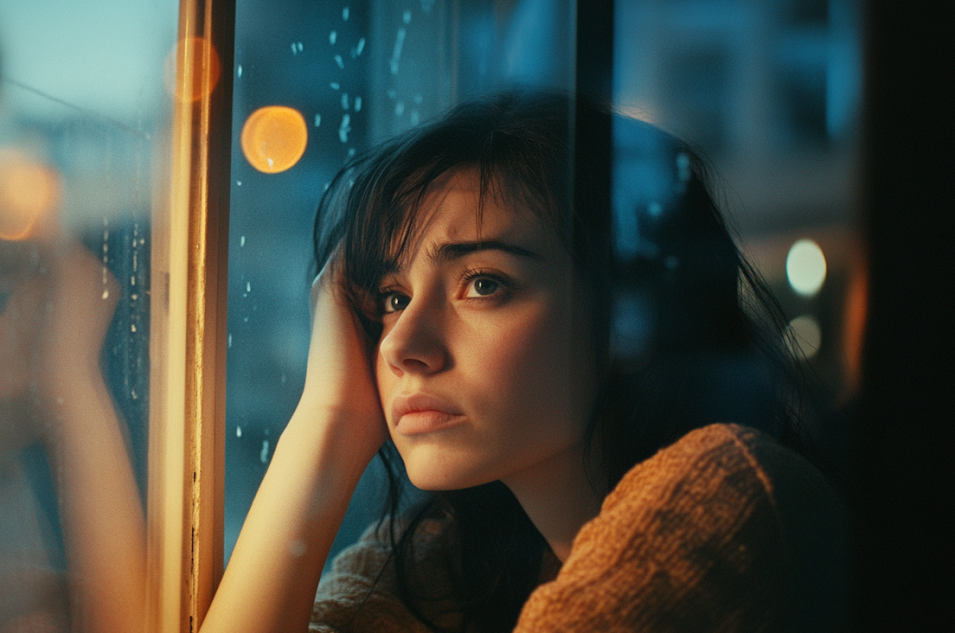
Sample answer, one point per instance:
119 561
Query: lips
423 413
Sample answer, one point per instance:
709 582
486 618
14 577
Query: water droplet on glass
230 342
132 327
264 455
332 37
238 431
239 70
344 128
655 209
406 16
392 93
339 61
415 117
396 52
335 85
344 101
399 108
106 294
361 46
270 162
301 47
132 392
318 120
242 241
345 14
351 152
357 104
238 183
134 297
294 49
132 281
248 286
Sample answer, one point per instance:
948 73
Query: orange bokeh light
29 194
192 69
274 138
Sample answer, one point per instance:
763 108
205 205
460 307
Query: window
146 133
356 72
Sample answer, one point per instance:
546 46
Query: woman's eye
482 287
394 302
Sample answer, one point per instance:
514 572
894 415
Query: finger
327 280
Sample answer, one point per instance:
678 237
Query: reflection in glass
83 113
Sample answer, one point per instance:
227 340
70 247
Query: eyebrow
451 251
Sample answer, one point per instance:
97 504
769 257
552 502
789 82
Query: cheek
536 368
385 380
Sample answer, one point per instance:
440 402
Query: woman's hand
57 305
82 299
339 376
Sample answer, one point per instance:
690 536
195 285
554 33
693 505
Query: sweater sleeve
359 593
701 537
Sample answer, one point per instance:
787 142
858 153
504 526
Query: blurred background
768 90
84 120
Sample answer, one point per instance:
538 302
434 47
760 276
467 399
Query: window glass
351 73
769 91
84 114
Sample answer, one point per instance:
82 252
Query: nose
416 342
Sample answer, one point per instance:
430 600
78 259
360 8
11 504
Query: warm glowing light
274 138
192 69
29 193
804 336
806 267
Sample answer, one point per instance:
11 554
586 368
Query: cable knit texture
723 531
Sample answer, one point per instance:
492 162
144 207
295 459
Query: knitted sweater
725 530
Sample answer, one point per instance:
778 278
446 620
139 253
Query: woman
465 313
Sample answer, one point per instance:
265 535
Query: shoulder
723 463
723 529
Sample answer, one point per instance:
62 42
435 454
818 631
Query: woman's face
485 366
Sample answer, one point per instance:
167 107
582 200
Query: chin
439 477
436 482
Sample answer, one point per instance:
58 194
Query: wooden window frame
188 350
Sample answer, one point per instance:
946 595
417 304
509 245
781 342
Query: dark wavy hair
686 333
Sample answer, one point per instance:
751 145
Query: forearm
275 567
100 507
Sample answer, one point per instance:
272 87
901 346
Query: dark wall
904 484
